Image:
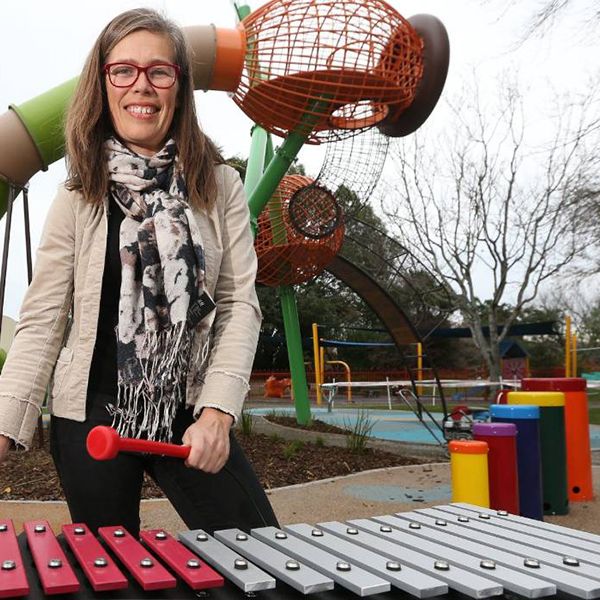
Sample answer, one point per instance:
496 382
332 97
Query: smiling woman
142 311
142 112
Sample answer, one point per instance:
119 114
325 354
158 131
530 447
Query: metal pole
27 235
315 332
420 367
389 396
9 207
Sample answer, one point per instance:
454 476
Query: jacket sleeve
238 317
41 327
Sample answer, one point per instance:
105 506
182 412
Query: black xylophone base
182 592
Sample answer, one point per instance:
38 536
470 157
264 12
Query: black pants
108 492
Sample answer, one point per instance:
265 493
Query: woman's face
142 114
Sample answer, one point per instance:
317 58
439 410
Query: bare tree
544 15
487 211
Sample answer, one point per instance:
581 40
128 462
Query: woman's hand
208 438
4 447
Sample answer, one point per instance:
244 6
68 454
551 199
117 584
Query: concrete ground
366 494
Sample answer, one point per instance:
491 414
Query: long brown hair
88 122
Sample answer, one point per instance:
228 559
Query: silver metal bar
422 554
457 578
583 563
541 525
347 574
242 573
396 571
565 581
536 535
302 578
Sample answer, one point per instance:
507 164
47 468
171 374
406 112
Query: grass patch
292 449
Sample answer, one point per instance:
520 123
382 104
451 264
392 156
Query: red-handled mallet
104 443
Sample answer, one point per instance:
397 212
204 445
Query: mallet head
103 443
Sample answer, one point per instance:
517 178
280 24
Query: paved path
366 494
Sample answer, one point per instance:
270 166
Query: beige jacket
55 336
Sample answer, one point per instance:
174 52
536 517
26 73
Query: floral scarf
162 303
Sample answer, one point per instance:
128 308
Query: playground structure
310 72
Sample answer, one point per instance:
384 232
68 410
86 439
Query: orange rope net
299 232
345 63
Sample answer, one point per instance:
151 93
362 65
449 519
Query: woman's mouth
141 111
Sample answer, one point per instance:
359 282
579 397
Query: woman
142 305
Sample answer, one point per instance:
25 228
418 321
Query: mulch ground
277 462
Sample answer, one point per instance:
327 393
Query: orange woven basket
344 65
299 233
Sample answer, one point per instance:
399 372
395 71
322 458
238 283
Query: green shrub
246 423
319 442
359 432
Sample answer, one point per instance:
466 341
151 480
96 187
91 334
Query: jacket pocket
60 371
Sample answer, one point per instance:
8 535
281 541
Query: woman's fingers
208 439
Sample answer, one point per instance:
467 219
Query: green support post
293 341
276 169
255 168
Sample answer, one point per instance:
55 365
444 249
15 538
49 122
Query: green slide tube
36 136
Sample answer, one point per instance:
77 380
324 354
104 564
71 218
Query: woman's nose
143 83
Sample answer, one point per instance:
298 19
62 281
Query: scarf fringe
147 408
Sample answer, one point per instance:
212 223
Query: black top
103 371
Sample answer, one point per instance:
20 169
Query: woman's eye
160 72
123 70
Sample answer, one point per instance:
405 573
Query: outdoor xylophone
428 552
477 552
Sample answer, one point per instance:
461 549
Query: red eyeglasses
160 75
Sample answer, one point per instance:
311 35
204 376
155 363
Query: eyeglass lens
160 76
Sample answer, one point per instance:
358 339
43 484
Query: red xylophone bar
104 443
55 572
13 581
196 573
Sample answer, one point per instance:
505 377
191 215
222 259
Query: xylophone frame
426 553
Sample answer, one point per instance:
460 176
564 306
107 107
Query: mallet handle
150 447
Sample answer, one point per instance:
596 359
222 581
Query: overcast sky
44 43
